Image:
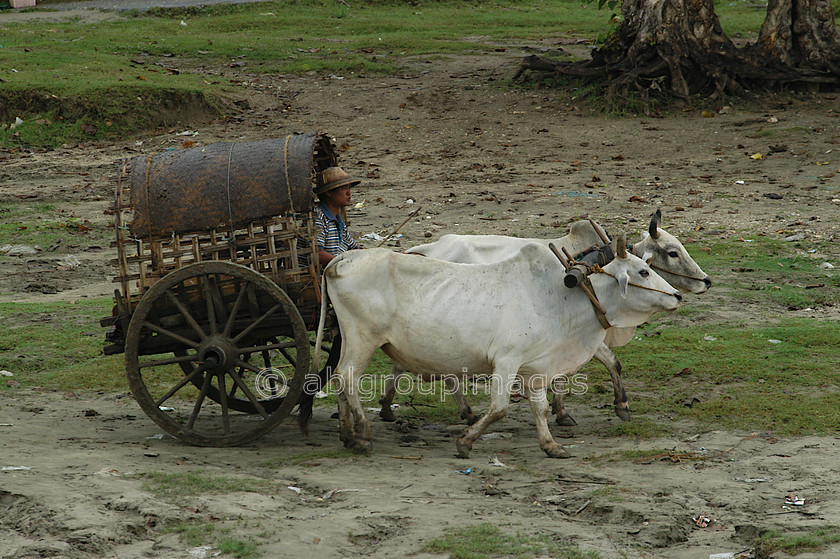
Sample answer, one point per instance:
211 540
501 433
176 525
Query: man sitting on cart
332 186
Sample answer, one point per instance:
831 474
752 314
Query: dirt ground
478 158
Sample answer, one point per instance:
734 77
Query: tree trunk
678 47
685 35
802 34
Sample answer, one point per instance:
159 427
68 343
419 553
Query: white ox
505 319
668 257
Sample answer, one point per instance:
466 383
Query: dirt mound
126 109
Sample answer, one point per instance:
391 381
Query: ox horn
620 246
655 219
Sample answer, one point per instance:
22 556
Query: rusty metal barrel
224 186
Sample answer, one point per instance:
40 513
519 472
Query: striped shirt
333 235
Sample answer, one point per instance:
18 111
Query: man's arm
324 257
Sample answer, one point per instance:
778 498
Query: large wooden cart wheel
209 341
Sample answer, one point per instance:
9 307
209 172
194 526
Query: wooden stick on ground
400 226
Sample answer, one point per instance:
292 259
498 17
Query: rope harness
586 285
232 240
602 271
286 167
632 250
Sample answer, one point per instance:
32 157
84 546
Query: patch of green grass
765 133
812 540
695 309
640 428
784 411
765 269
190 484
198 533
486 540
59 346
741 379
762 253
740 19
779 132
432 402
238 548
41 226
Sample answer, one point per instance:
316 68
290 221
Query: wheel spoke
167 361
188 378
272 387
224 404
233 312
235 386
288 356
185 313
276 345
247 391
199 401
171 334
211 311
244 365
266 355
256 323
219 308
324 347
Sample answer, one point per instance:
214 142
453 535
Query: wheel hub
217 355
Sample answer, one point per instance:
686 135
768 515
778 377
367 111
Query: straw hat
331 178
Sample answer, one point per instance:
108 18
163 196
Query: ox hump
537 257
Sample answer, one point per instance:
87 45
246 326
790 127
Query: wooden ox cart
218 275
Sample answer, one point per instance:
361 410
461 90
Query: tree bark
801 34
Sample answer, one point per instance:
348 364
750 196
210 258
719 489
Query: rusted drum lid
224 186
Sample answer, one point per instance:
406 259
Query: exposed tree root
677 47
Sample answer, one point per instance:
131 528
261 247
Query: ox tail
318 377
319 339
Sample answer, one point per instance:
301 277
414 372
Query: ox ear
623 279
647 257
619 246
653 229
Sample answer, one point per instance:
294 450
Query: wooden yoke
586 285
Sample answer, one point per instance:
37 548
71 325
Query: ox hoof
565 420
358 445
557 451
623 413
386 413
463 447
